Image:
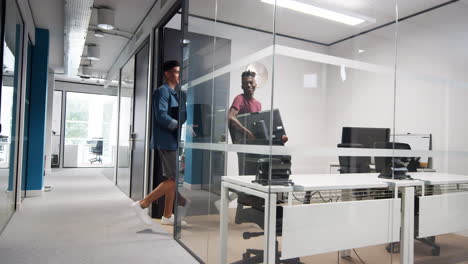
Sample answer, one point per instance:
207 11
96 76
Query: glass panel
26 121
334 90
222 43
12 47
431 93
124 156
90 125
112 174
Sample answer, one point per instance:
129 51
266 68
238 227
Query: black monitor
259 124
366 136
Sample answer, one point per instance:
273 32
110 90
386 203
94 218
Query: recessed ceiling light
361 51
105 18
341 17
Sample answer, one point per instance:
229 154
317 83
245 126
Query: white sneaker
217 204
170 221
182 210
142 213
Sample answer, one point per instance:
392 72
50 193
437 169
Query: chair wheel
435 251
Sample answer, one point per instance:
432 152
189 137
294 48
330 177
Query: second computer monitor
366 136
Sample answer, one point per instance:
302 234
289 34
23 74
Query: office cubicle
327 65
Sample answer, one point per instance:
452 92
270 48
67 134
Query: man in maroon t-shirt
242 104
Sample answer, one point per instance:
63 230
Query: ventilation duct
77 16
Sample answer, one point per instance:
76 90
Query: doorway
132 125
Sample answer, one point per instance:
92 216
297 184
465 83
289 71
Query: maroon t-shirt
244 105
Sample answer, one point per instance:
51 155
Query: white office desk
322 182
445 209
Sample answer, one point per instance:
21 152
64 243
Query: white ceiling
256 14
128 16
49 14
250 13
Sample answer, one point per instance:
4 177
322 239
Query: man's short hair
168 65
248 73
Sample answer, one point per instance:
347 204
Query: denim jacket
168 115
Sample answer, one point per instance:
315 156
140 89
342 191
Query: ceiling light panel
347 18
77 16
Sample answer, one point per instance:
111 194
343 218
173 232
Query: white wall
48 129
431 87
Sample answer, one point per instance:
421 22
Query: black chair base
256 256
96 159
430 241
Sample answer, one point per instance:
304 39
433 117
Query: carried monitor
259 124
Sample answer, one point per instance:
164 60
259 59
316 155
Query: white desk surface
432 178
247 182
320 182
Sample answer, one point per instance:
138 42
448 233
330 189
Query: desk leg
346 195
407 226
269 255
224 223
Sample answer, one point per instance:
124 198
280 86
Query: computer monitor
259 124
366 136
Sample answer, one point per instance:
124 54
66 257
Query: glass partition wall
325 132
10 91
124 154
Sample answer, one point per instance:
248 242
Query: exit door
132 124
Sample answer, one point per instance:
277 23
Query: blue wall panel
38 111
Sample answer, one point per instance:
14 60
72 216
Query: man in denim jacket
166 108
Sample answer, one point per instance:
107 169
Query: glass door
124 156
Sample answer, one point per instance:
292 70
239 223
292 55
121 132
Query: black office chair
254 213
97 150
352 164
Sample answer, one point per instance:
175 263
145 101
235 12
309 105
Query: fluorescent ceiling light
348 19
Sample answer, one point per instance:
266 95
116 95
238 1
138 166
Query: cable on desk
362 261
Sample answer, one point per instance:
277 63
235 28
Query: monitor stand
395 174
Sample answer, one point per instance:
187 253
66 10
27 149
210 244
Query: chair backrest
381 163
98 148
352 164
